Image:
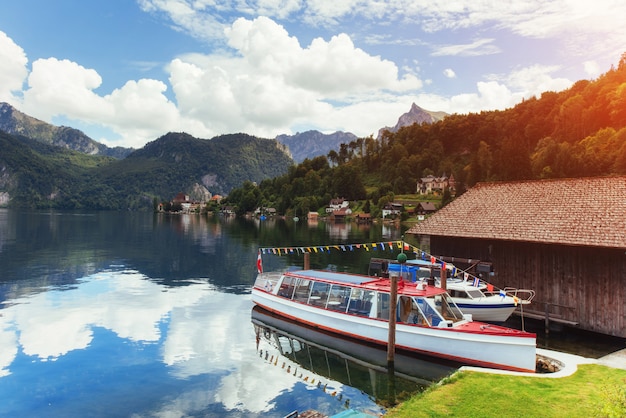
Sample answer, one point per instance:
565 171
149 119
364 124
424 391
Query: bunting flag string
373 246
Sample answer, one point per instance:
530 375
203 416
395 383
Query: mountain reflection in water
317 357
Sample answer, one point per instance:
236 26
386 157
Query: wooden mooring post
307 261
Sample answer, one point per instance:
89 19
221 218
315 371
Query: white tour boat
471 294
427 320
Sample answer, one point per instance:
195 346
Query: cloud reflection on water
198 331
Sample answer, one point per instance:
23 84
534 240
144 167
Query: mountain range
311 144
44 165
301 145
14 122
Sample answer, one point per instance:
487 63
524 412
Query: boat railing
523 295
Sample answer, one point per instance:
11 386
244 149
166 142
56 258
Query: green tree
347 182
367 206
513 160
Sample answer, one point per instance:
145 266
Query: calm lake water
131 314
135 314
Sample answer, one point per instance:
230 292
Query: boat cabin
363 296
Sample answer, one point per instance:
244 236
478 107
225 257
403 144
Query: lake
149 315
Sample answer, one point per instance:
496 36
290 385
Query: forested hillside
177 161
575 133
37 175
579 132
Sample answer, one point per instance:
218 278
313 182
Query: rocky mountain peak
14 122
415 115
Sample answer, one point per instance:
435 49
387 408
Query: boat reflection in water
349 362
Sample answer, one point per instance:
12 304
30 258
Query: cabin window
423 273
319 294
429 312
360 302
475 293
408 312
287 287
448 308
382 311
458 294
338 297
303 289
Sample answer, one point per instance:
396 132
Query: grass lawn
593 391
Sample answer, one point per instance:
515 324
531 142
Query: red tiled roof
582 211
340 212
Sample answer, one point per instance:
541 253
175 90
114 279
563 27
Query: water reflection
51 324
117 343
116 327
311 354
121 314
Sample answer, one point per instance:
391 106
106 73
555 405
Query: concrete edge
570 365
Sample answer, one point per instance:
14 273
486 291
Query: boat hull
470 343
481 311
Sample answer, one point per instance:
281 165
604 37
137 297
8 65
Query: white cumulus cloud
257 76
63 87
13 69
271 82
449 72
138 111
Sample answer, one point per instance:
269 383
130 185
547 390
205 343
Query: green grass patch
593 391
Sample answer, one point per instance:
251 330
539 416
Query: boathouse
565 239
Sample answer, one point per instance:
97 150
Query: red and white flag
259 263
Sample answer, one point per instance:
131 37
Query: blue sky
126 72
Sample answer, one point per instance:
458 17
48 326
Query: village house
391 210
265 211
337 204
425 208
228 211
363 218
565 239
187 204
340 215
183 200
436 185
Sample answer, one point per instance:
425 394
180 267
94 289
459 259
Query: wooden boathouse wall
563 238
578 286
